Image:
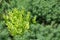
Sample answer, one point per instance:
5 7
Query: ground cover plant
29 19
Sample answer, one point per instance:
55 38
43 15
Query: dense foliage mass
17 21
29 19
46 10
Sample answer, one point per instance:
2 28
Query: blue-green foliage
48 32
3 6
46 10
10 4
4 34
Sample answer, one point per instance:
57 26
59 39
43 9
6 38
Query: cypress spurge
17 21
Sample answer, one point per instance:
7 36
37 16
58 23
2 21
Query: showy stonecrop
17 21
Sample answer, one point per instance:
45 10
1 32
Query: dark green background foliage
47 26
46 10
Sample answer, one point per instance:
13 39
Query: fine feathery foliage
46 10
17 21
45 32
38 20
